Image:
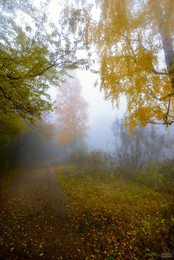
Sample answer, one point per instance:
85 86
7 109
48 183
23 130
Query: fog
101 112
40 144
106 132
81 122
86 129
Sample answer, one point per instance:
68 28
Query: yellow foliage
134 42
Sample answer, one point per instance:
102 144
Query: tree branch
9 98
166 117
159 73
162 98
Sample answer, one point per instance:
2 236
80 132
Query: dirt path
33 218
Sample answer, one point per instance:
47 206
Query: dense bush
159 176
100 162
166 173
148 176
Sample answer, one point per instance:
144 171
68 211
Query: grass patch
115 219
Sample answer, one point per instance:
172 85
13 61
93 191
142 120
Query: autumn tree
35 54
134 40
72 113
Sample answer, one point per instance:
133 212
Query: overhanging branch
171 94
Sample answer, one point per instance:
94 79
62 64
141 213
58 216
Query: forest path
34 222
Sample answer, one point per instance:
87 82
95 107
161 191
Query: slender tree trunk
75 147
65 152
167 46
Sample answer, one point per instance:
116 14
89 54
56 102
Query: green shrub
166 173
159 176
148 176
100 163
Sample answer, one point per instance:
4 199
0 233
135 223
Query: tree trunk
167 46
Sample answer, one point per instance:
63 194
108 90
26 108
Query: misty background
106 132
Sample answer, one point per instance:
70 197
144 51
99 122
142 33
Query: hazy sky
101 112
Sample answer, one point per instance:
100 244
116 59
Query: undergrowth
116 219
